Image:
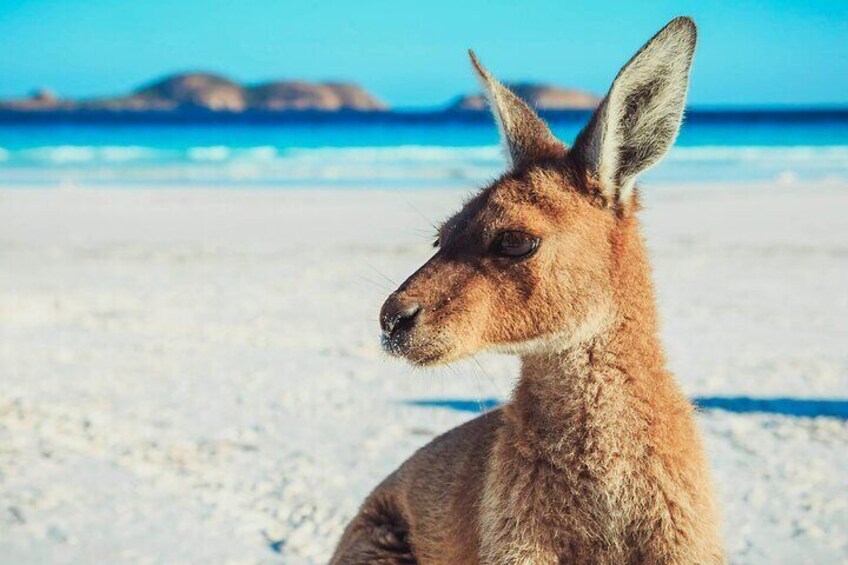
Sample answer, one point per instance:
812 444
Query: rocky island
212 96
539 96
211 92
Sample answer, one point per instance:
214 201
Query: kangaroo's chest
537 513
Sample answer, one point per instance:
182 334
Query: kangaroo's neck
594 402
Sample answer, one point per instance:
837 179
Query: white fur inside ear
639 120
524 135
489 91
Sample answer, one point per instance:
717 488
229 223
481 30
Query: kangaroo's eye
514 244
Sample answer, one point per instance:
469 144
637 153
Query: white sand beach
195 375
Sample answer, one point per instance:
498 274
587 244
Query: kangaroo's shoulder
464 445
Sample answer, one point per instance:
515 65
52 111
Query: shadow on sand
802 408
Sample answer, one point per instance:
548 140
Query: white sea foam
261 153
364 165
60 154
761 153
75 154
126 153
399 153
214 153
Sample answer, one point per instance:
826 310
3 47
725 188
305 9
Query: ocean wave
116 154
377 154
260 153
760 153
60 154
421 153
401 163
213 153
399 153
74 154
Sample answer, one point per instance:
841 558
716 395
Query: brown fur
596 458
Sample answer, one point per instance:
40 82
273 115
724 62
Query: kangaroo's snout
397 313
397 317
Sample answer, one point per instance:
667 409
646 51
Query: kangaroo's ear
526 138
638 121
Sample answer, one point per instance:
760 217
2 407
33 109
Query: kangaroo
596 458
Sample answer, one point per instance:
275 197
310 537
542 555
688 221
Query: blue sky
413 53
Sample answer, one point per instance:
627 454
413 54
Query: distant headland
215 93
539 96
206 91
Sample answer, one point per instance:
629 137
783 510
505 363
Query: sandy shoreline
195 375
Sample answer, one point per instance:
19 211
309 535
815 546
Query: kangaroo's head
528 263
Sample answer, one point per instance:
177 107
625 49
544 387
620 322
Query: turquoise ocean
386 150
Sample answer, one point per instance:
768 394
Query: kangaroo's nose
398 315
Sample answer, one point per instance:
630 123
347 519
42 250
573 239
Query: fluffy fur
596 458
638 121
